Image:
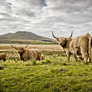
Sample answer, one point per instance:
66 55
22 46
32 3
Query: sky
44 16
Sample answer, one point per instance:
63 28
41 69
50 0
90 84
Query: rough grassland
54 74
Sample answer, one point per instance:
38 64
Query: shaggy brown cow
26 54
3 56
80 46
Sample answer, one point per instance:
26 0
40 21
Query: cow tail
89 48
91 41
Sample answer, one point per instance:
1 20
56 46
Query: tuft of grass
34 62
46 61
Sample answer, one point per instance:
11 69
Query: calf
3 56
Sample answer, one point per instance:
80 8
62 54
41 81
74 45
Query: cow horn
26 45
53 35
13 46
71 34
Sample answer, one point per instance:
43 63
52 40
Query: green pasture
54 74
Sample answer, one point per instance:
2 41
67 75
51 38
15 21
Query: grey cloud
24 12
61 16
4 7
73 14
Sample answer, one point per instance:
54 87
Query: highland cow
3 56
80 46
26 54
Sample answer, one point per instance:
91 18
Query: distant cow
3 56
80 46
42 57
26 54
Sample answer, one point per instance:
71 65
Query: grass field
54 74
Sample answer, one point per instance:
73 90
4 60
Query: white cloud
44 16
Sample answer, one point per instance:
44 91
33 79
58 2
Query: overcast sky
44 16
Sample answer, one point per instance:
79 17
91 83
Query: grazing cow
3 56
42 57
80 46
26 54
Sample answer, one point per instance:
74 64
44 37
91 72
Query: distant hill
23 37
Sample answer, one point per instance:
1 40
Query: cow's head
62 40
19 49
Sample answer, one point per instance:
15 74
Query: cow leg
68 58
85 56
4 60
24 59
85 60
38 58
68 55
89 48
89 57
75 56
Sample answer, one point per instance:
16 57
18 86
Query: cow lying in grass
3 56
26 54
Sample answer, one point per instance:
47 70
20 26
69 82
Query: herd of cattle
80 47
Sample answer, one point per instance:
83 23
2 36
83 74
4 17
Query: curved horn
13 46
71 34
53 35
26 45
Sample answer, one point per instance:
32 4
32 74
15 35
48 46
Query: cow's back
81 42
75 43
35 53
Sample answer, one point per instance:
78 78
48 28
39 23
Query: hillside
23 37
